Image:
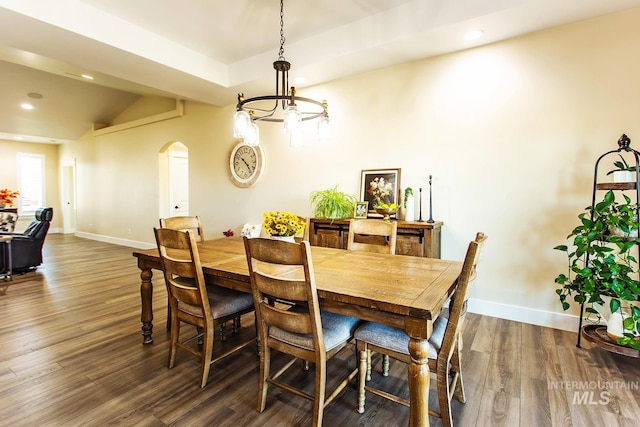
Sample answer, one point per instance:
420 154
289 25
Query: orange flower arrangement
7 196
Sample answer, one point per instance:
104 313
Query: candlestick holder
430 202
420 218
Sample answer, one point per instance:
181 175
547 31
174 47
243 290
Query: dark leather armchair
26 247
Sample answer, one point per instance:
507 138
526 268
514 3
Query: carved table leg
146 294
418 372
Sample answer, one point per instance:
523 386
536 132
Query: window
30 182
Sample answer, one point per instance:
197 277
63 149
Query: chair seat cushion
336 329
223 301
396 339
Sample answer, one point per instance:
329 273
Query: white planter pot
623 176
614 326
411 209
402 214
618 232
284 238
614 321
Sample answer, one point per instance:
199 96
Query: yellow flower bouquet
282 223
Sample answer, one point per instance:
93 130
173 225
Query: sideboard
414 238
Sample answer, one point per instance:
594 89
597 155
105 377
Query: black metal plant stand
624 143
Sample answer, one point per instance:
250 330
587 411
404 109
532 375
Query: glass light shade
324 127
252 135
241 123
292 119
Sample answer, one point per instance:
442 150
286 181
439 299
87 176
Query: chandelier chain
294 109
282 38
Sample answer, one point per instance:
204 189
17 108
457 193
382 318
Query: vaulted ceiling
209 50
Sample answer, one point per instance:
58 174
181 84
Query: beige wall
510 133
8 175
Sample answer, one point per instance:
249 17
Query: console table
414 238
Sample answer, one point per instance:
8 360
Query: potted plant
409 204
623 172
602 263
333 204
282 225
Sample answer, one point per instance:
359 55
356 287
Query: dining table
406 292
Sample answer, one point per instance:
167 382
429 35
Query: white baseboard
565 322
115 240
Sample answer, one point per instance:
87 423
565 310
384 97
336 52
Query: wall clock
246 163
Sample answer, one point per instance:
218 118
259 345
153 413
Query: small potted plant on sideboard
333 204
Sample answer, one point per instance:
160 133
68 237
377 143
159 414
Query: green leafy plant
621 165
333 204
601 261
407 192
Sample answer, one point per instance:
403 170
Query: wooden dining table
406 292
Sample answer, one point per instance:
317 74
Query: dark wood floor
72 356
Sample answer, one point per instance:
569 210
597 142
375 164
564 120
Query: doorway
174 180
69 196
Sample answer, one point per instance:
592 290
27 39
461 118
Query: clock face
246 164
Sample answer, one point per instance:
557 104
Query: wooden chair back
372 235
305 233
183 223
283 272
183 275
458 304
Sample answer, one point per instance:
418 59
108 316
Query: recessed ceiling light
26 106
473 35
87 76
34 95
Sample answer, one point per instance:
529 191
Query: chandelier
293 109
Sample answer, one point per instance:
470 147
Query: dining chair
184 223
283 272
305 233
372 235
193 302
445 344
194 223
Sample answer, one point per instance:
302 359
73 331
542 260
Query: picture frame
391 192
361 209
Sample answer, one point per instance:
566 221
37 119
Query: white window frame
28 183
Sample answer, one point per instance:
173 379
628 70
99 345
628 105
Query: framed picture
361 210
379 186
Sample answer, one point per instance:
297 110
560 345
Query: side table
8 271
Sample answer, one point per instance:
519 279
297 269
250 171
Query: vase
411 210
284 238
402 213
